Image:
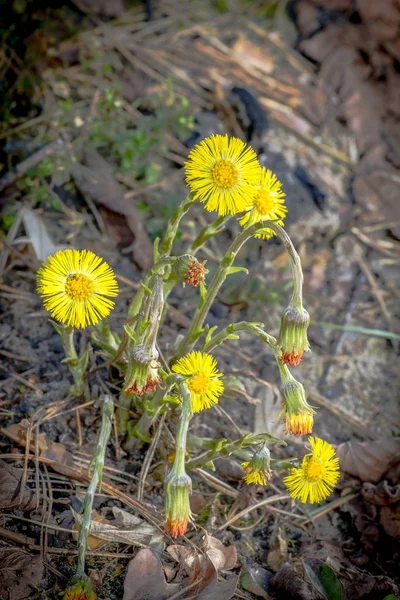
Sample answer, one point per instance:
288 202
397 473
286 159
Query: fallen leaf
125 528
381 494
10 489
219 590
368 460
278 552
100 184
20 573
256 580
289 584
390 520
38 235
222 557
145 578
323 579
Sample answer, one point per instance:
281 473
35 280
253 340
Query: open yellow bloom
73 284
221 172
318 474
267 203
203 379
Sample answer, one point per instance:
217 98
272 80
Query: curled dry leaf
257 581
20 573
381 494
368 460
10 489
145 578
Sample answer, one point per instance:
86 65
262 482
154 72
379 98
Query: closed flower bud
142 375
299 418
79 588
190 270
292 339
177 506
257 470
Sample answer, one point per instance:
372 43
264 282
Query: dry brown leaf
278 552
145 578
219 590
20 573
101 185
222 557
390 520
368 460
10 489
381 494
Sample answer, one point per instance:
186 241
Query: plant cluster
78 288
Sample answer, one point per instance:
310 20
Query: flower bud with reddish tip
190 270
177 505
257 469
142 375
299 418
292 340
79 588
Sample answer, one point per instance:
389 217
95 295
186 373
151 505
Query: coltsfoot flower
257 470
79 588
292 339
221 172
142 374
267 203
299 417
177 504
203 379
317 476
74 285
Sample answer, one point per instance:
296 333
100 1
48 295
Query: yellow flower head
73 284
267 203
202 379
257 470
79 588
299 416
221 172
318 474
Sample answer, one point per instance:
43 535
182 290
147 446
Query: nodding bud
257 469
292 339
177 505
299 418
190 270
79 588
142 374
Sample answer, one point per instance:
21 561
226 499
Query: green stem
172 226
98 464
208 232
147 419
178 468
196 327
136 304
233 328
77 365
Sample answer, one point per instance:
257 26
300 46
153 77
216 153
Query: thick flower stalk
221 172
317 476
298 414
257 469
97 464
178 485
202 379
76 286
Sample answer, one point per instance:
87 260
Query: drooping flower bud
292 339
177 506
142 375
257 469
190 270
79 588
299 418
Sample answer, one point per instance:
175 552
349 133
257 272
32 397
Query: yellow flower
202 379
299 417
79 588
73 284
221 172
318 474
267 203
258 468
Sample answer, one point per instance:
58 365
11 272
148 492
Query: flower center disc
264 202
224 173
314 471
79 287
198 383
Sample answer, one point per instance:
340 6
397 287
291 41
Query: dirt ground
322 113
